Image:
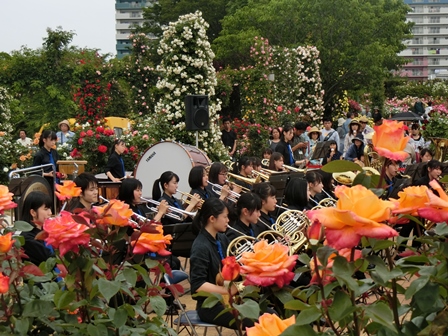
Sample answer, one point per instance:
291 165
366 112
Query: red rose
89 133
102 149
132 148
100 129
75 153
279 108
82 134
64 233
97 136
297 109
80 141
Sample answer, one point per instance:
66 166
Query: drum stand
197 139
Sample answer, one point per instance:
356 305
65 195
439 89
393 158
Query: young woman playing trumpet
165 188
198 181
276 162
208 250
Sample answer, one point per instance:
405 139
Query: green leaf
108 288
343 271
340 166
428 298
23 226
382 244
38 308
296 305
211 301
97 330
249 309
158 304
302 330
22 325
323 253
441 229
120 317
363 179
415 286
130 276
381 313
150 263
62 298
342 306
308 316
283 295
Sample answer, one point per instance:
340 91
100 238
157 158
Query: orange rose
325 273
315 232
6 243
115 213
67 191
389 140
2 133
230 268
358 212
268 264
64 233
411 199
152 241
6 202
13 166
22 158
4 283
436 210
270 325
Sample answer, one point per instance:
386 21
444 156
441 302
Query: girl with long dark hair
247 214
165 188
208 250
267 194
36 209
115 170
48 154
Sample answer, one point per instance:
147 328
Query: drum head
22 187
162 157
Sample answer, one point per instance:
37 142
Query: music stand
320 150
279 181
183 238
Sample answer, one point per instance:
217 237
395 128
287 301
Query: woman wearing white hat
64 134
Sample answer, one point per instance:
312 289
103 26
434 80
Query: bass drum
164 156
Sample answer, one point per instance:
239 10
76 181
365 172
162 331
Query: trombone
175 213
247 180
294 169
233 196
186 197
261 175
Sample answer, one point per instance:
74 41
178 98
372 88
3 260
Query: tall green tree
165 11
358 40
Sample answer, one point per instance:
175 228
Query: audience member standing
228 136
329 133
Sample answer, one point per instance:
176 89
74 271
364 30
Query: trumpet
186 197
233 196
175 213
247 180
139 217
294 169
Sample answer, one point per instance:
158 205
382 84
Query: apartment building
428 49
127 14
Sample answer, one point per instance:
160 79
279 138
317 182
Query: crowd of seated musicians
251 213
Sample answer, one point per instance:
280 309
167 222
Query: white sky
24 22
